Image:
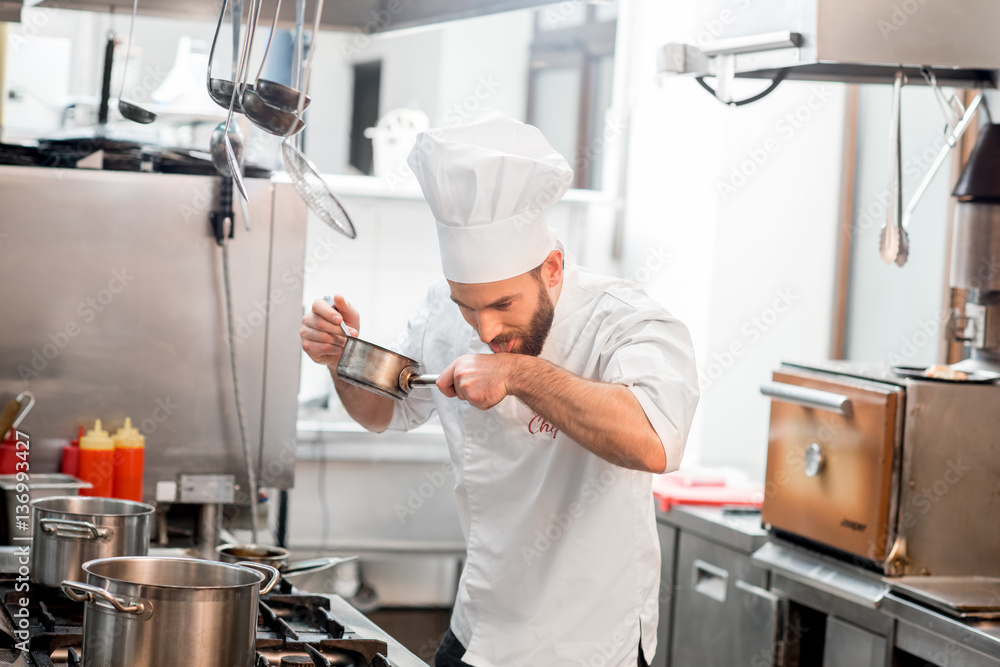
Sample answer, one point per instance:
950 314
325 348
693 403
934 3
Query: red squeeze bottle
97 454
70 464
130 449
10 455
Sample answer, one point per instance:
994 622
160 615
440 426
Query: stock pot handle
86 593
271 575
83 530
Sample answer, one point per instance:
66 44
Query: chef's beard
533 338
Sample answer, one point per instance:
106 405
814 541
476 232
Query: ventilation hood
852 41
368 16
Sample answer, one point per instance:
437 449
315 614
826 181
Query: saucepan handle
81 592
271 575
80 530
423 380
316 565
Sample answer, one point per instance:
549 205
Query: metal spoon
265 116
129 111
309 185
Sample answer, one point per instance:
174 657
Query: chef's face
513 315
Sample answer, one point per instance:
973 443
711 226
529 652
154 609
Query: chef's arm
323 340
605 418
372 411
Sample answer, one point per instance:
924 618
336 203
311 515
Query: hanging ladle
129 111
266 116
221 90
282 97
217 144
241 75
304 175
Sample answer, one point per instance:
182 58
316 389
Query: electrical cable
247 461
778 78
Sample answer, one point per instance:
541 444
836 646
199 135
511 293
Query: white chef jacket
563 561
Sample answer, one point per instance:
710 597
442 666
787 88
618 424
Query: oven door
832 459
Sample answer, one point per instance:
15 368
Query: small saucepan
377 369
276 557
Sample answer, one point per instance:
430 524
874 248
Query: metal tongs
894 240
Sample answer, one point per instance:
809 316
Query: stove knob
814 459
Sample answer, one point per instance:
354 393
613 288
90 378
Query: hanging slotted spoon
305 177
129 111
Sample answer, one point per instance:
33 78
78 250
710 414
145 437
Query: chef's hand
480 379
322 338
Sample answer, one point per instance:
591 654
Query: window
569 89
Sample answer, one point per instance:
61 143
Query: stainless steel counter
940 639
741 532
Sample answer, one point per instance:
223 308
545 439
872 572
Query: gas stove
293 628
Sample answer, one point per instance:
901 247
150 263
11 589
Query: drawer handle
710 581
809 398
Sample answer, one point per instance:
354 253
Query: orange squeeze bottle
97 453
130 450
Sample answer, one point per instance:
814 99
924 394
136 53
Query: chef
561 391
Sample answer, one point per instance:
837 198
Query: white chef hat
488 181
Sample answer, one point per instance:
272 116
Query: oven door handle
809 398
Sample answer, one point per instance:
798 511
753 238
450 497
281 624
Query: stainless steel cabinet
668 551
850 646
723 613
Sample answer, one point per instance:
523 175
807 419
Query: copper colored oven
902 475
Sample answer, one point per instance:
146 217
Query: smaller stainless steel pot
377 369
150 612
68 531
276 557
382 371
